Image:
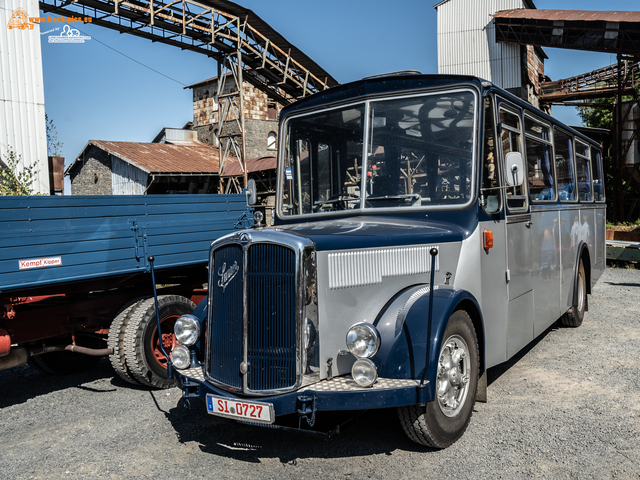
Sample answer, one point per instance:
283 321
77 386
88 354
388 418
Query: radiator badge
227 275
245 238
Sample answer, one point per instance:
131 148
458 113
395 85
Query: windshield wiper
341 197
413 196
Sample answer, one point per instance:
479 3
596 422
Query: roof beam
611 32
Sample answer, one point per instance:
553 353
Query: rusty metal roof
155 158
202 82
253 165
612 31
570 15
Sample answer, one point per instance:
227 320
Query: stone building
136 168
260 116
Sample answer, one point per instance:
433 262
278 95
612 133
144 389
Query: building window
272 111
271 141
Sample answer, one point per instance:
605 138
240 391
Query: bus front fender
403 330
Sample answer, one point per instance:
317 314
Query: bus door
519 279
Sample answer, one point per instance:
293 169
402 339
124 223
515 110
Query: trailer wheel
442 421
67 363
116 341
143 355
575 317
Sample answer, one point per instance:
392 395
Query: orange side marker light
488 239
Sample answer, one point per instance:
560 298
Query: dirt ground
568 406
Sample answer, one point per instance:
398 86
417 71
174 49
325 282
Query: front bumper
340 393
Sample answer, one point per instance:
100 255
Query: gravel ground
567 407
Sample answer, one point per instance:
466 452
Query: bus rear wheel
442 421
574 318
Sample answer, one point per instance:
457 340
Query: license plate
249 411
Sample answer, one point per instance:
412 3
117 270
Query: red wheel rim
168 340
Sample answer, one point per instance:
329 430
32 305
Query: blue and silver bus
427 228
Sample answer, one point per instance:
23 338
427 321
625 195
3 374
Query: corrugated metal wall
179 135
467 42
127 179
22 125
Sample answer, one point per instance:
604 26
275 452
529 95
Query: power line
123 54
133 59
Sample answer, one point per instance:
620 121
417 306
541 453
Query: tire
574 318
443 421
144 359
68 363
115 340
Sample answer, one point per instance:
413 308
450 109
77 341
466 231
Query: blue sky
92 92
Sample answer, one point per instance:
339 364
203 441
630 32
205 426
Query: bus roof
407 82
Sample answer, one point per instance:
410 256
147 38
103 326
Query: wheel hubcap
581 290
452 383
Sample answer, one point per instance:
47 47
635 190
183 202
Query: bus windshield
417 151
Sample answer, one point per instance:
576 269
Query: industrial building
136 168
260 116
467 45
22 122
502 40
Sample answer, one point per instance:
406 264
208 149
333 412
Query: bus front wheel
442 421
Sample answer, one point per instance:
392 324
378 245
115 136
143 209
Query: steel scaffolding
241 42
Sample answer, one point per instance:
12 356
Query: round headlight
363 340
364 372
181 357
187 329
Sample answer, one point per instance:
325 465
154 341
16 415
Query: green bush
13 180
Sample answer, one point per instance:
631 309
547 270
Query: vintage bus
427 228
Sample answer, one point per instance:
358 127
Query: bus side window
510 141
490 170
539 160
598 182
563 146
583 171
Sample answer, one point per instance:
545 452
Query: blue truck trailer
75 282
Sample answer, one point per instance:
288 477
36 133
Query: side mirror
252 193
513 169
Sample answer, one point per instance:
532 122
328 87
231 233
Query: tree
598 117
13 180
54 146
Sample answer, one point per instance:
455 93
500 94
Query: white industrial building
22 123
467 46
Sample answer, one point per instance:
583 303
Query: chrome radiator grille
226 321
266 277
272 326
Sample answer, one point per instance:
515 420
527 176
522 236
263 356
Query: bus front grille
269 271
